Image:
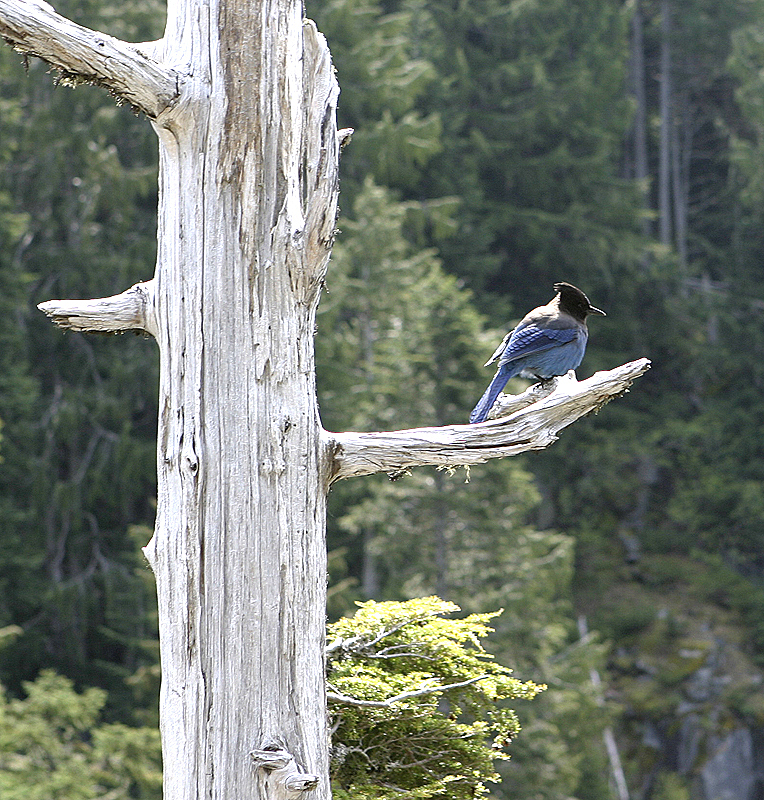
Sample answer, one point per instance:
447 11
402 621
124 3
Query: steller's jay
549 341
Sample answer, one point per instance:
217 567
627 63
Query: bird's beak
593 310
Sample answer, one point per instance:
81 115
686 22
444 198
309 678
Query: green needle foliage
417 702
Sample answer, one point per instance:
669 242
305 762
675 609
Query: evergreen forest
499 147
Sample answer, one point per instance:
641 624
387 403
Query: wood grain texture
533 427
128 311
239 548
34 28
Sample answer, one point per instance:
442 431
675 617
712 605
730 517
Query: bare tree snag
242 96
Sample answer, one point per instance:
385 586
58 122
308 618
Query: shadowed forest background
499 147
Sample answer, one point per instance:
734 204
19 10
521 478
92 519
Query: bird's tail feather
484 405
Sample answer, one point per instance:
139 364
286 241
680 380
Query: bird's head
574 302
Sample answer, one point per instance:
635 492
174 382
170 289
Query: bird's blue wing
500 349
532 339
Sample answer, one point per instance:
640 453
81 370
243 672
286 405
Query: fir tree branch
334 696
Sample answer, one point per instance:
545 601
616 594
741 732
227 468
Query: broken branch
131 310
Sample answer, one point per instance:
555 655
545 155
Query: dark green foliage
383 76
79 413
531 95
396 335
677 463
437 743
434 532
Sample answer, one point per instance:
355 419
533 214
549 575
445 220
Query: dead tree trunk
248 183
242 96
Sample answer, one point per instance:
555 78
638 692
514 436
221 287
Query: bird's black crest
574 301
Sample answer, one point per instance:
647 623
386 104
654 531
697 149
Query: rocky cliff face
689 690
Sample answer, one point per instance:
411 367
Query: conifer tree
80 420
532 102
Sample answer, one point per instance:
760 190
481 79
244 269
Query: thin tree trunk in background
611 746
681 151
441 539
368 339
664 165
370 572
641 170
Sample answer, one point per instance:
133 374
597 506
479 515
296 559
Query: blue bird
549 341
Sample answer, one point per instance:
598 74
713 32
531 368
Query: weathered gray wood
533 427
248 204
130 310
34 28
248 188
